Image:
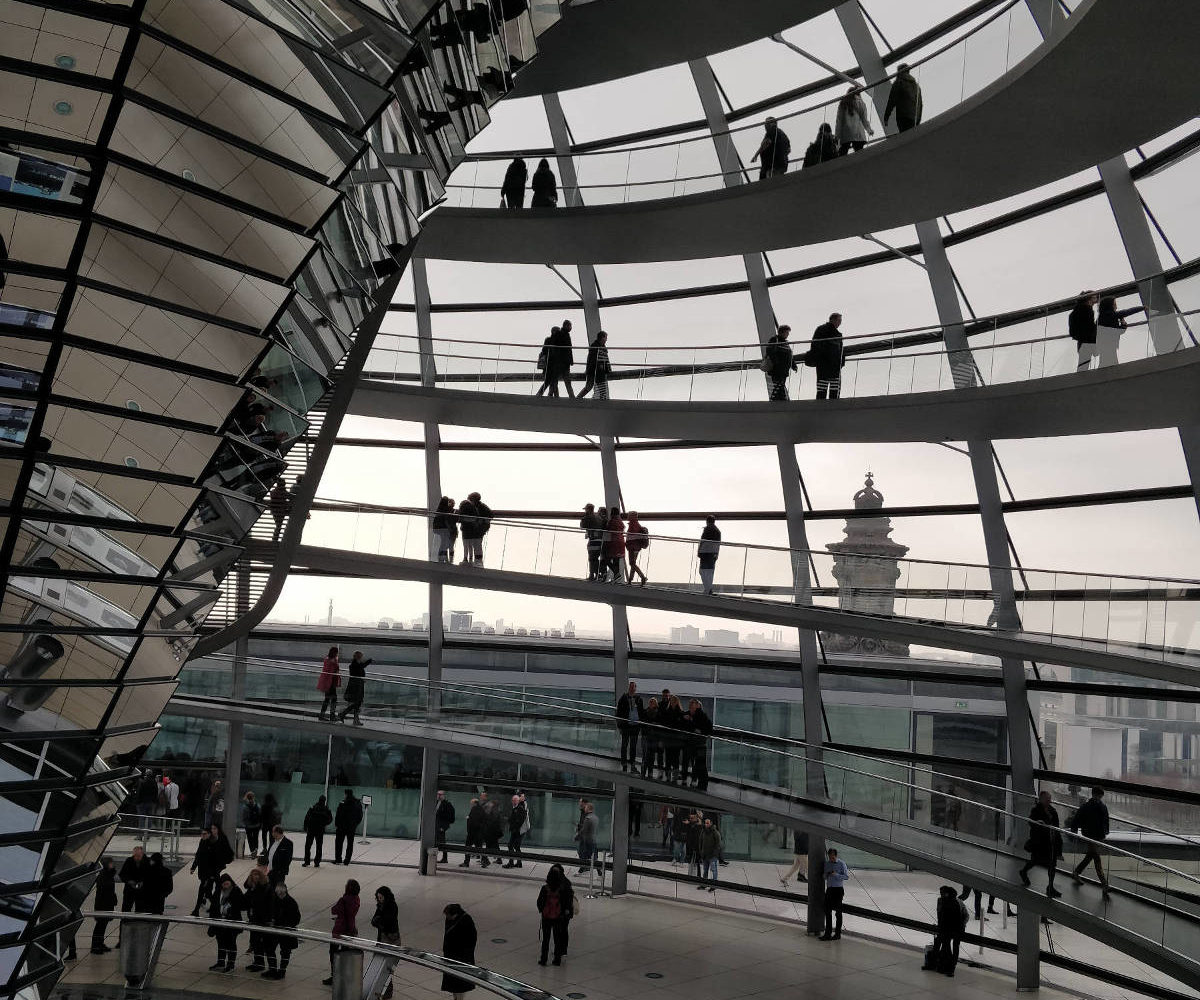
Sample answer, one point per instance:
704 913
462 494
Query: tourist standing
316 821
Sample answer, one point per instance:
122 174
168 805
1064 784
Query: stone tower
866 567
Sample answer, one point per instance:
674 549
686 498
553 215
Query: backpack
552 909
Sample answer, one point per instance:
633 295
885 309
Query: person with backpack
1091 819
443 819
476 518
637 539
774 151
345 823
251 821
951 924
826 356
779 362
518 819
593 532
823 148
316 821
554 906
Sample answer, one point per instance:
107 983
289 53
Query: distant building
722 637
460 621
685 635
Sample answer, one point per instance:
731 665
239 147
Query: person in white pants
1110 324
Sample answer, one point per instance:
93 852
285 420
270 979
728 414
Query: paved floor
722 946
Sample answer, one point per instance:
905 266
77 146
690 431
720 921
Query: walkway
610 39
1119 74
1133 925
1123 659
1135 395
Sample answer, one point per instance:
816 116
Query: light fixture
64 61
188 175
63 107
133 404
132 462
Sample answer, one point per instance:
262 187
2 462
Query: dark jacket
905 99
493 823
625 704
476 822
515 177
285 913
516 817
559 355
446 519
708 842
780 359
387 919
356 687
259 903
232 908
458 943
701 723
155 890
475 517
597 368
951 916
281 861
708 553
349 815
774 151
134 875
211 857
106 889
317 818
692 839
826 351
1045 841
1109 315
823 147
444 816
1081 324
1091 819
544 188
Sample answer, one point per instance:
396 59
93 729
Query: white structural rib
1165 936
1137 395
610 39
1136 661
1120 73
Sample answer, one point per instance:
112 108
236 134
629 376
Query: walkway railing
948 76
159 833
1156 618
146 933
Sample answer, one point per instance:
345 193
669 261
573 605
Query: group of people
473 519
673 740
330 679
1096 325
486 823
543 187
825 354
613 546
557 357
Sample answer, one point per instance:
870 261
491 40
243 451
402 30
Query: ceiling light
133 404
188 175
63 107
132 462
64 61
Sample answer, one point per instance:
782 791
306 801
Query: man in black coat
779 363
825 355
345 823
1045 842
443 819
702 728
1091 819
106 900
316 821
516 831
279 857
476 824
629 714
1081 325
951 923
134 873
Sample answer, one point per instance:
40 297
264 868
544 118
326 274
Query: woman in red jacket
636 539
614 545
344 912
328 682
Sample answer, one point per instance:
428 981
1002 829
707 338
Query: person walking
593 532
544 186
614 545
210 859
285 915
135 871
512 191
493 829
458 944
105 901
773 152
597 368
707 552
905 100
826 356
159 884
227 903
1045 842
823 148
1110 324
709 846
214 805
476 830
629 714
559 358
836 876
170 796
251 821
588 830
554 907
518 817
345 823
443 819
344 913
386 922
1081 325
279 503
853 125
355 687
258 900
799 858
476 519
951 925
1091 820
445 529
279 856
328 683
637 539
779 362
316 822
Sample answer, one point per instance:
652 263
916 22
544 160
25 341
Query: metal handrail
491 981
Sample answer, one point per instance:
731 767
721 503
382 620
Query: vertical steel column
237 691
793 497
1144 262
987 487
430 759
569 183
